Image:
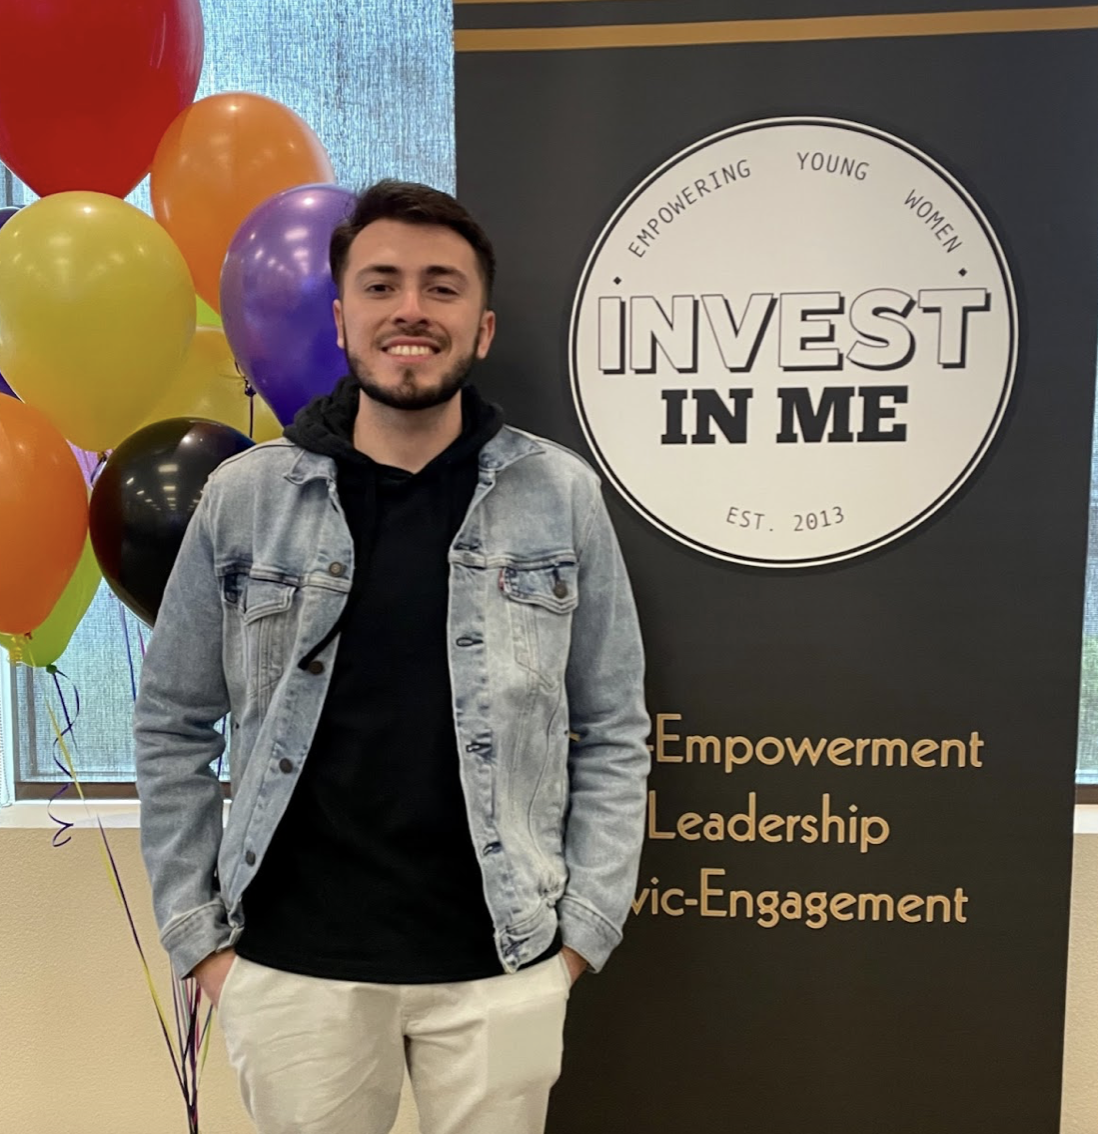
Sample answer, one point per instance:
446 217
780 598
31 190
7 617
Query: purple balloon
6 389
277 293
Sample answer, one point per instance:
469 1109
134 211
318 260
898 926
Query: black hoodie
371 874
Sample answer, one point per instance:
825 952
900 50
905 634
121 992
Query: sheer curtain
1088 688
374 79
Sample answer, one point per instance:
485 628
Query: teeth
403 350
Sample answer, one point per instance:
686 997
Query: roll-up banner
813 287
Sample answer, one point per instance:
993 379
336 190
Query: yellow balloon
48 642
97 312
209 385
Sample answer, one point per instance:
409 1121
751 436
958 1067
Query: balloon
87 89
206 315
47 643
144 498
98 313
6 214
211 387
43 515
277 293
219 159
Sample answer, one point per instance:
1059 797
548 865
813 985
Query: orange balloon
219 159
43 514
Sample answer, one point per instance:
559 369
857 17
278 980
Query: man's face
411 317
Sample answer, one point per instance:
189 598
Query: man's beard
408 395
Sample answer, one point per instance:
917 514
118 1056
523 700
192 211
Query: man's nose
410 307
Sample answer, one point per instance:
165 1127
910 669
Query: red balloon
88 87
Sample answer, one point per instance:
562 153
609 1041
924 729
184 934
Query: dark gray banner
815 293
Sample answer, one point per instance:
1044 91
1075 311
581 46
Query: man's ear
486 332
337 314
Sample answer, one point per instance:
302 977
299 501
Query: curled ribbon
63 827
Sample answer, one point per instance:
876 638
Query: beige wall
1080 1109
80 1044
80 1047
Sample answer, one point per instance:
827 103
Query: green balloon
48 642
206 315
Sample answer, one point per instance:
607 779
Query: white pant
327 1056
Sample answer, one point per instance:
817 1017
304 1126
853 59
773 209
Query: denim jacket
546 667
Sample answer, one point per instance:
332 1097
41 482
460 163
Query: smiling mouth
402 350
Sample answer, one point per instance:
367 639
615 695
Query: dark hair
410 203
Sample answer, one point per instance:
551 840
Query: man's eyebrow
432 271
376 270
444 270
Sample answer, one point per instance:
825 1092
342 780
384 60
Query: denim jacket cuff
193 936
586 931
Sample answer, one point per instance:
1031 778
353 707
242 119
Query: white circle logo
793 342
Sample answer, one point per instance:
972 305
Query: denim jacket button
560 589
285 765
316 666
336 569
249 858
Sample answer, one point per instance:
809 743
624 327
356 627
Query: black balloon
144 498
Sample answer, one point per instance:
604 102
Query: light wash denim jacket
546 667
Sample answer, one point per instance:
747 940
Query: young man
421 624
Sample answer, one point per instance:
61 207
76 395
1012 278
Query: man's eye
377 287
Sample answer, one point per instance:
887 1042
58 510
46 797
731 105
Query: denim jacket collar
503 450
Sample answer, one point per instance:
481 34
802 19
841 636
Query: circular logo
793 342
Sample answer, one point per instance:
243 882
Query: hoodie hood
326 426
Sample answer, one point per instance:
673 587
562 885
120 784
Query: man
421 624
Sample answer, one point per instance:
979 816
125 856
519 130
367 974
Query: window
1087 775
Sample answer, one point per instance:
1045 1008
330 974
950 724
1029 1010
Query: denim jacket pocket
541 598
265 628
264 597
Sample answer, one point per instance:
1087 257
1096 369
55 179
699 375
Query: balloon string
221 726
70 722
177 1009
190 1032
204 1044
188 1053
18 645
63 826
88 463
129 648
103 455
191 1037
186 994
249 389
